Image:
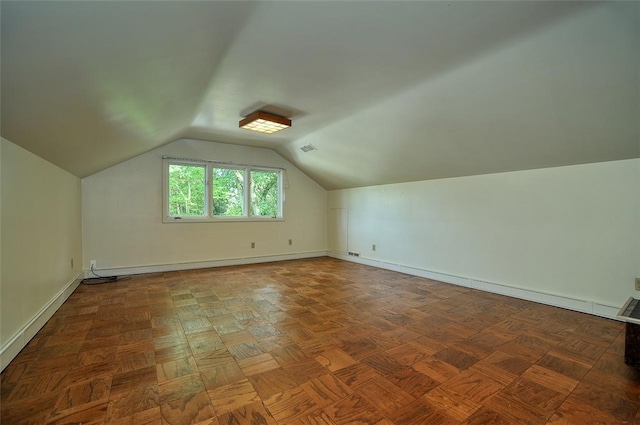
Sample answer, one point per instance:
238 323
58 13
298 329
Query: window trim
209 217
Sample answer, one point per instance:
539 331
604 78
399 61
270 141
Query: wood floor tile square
258 364
326 389
383 363
250 414
81 393
80 373
314 346
384 395
192 409
135 362
245 351
176 352
131 380
427 345
126 349
290 404
50 365
214 358
217 376
205 339
35 386
318 417
353 409
91 413
176 368
131 403
147 417
410 354
475 386
356 375
456 357
420 412
515 411
97 355
184 386
233 396
361 348
550 379
196 325
272 382
486 415
412 381
288 354
33 410
335 359
237 338
563 365
455 406
602 400
303 371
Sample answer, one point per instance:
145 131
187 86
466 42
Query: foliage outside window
210 192
228 192
187 190
264 193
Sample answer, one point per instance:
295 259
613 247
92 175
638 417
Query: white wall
40 234
122 215
568 231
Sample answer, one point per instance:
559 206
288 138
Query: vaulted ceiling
386 91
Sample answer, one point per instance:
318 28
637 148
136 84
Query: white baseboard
570 303
159 268
11 348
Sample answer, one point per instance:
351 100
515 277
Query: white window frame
209 217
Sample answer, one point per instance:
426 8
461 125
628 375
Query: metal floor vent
307 148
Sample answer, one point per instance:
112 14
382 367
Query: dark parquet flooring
317 341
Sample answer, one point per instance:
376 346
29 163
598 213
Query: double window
212 191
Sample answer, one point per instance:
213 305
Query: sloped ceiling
386 91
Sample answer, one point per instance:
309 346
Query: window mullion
247 191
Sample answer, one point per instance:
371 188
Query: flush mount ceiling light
265 122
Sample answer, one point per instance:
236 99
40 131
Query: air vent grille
308 148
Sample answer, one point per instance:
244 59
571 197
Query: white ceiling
386 91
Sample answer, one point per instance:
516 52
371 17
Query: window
187 190
265 193
228 192
212 191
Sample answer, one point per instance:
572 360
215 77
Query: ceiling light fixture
265 122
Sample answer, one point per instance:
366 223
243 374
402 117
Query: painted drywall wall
122 214
40 236
568 231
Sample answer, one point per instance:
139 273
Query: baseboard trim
570 303
159 268
11 348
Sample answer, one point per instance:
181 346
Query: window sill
172 220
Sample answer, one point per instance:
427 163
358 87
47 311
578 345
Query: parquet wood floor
316 341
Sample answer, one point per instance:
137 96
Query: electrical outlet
253 244
92 264
72 263
373 247
290 241
637 283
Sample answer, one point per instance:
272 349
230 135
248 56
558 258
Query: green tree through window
264 193
228 192
186 190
